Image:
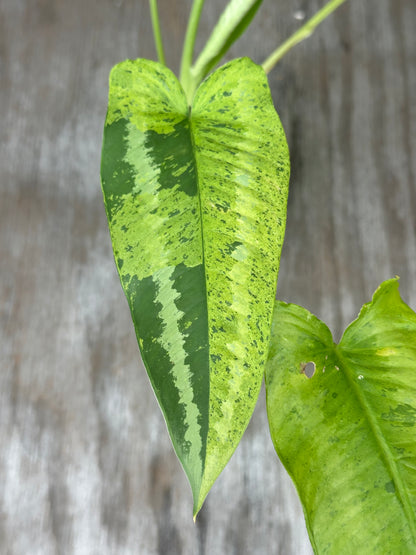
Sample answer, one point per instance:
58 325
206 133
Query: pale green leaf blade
235 18
347 435
196 207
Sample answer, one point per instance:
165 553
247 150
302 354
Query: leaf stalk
301 34
156 31
188 47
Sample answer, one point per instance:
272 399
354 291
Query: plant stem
301 34
156 31
188 47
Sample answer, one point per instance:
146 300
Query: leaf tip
199 499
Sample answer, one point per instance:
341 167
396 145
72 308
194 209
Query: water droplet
299 15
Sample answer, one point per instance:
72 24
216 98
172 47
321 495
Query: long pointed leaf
347 435
196 204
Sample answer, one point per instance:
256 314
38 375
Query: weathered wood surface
86 466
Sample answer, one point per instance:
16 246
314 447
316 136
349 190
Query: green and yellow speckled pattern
196 204
243 171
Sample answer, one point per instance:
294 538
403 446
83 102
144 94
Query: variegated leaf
196 205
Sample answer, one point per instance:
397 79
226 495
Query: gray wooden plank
86 464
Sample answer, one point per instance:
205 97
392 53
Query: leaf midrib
191 132
385 450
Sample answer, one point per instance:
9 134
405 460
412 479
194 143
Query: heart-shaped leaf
347 435
196 205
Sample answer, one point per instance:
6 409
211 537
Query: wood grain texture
86 466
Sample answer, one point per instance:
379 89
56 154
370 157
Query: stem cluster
236 17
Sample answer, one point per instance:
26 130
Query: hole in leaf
308 369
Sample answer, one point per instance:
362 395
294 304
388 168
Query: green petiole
189 44
301 34
156 31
